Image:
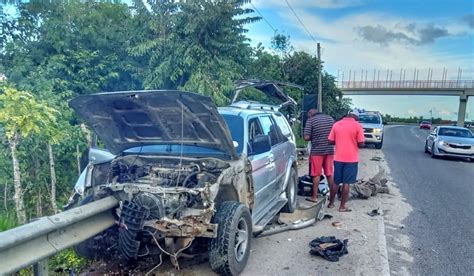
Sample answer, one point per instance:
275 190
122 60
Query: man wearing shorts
317 130
348 136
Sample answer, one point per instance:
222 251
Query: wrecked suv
191 179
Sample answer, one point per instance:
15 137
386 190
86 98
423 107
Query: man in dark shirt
317 130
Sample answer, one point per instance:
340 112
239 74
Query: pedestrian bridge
459 88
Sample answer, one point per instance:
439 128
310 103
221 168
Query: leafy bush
67 261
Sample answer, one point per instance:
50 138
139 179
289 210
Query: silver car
450 141
190 178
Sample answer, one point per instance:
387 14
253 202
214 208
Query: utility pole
320 88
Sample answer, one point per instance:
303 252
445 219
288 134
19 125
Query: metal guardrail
417 84
30 243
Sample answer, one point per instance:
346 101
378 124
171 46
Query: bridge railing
417 84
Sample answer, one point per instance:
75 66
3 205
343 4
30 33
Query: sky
368 35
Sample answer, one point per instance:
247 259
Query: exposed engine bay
160 198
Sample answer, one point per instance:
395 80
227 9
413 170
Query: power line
301 22
264 19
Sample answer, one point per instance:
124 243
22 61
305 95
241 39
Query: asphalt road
441 192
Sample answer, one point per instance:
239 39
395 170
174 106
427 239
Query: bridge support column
462 110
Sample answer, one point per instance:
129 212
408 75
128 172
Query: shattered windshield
236 127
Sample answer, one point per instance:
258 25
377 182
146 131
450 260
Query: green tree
21 116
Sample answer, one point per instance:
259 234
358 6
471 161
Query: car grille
454 146
368 130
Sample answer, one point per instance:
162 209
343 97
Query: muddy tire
291 192
230 250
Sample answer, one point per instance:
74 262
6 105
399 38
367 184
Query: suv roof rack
254 106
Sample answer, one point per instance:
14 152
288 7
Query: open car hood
270 88
134 118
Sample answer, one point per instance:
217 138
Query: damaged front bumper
188 222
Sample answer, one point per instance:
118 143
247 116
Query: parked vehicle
190 178
450 141
425 125
372 124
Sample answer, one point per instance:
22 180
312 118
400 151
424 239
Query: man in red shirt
348 135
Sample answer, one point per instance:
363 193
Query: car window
283 125
254 129
271 129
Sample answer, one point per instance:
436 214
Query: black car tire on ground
291 192
433 154
230 250
426 147
379 145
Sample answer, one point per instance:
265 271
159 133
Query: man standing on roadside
317 130
348 136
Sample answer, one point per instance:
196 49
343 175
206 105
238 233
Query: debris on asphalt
326 216
376 158
375 212
329 248
289 240
402 226
336 224
367 188
421 211
434 251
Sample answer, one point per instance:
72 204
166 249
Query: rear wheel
290 192
426 147
230 250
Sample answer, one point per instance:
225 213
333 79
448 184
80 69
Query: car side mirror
384 123
261 144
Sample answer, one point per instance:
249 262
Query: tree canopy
52 51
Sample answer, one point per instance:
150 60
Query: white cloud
343 47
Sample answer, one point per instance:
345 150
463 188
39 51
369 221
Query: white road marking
383 247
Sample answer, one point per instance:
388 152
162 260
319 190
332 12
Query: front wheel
230 250
290 192
433 154
426 147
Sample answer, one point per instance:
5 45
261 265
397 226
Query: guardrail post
41 268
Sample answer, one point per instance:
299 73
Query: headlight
443 143
377 130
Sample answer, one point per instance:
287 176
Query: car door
277 139
263 171
284 150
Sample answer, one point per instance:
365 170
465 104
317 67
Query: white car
450 141
372 124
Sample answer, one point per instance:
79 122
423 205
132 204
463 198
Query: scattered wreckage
191 179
